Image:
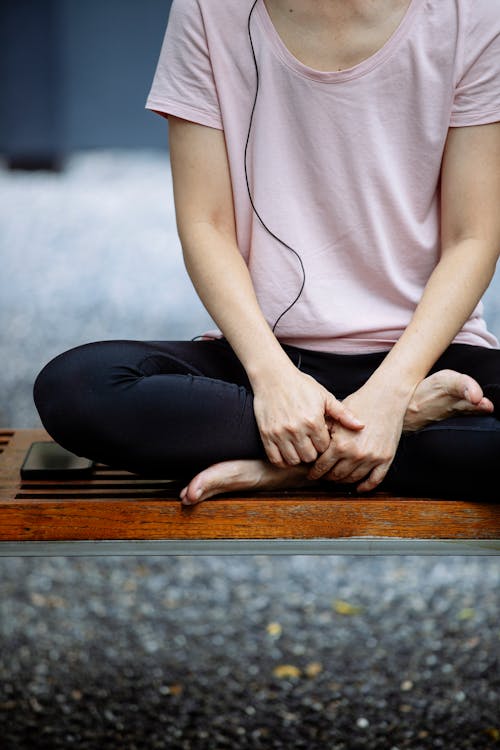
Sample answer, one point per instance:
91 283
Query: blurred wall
75 74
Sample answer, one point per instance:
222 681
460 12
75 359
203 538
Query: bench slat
123 511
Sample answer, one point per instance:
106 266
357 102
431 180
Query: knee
64 393
458 455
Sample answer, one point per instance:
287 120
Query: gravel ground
259 652
206 652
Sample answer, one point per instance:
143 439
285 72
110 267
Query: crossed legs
185 409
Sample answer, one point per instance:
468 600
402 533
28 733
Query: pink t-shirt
343 166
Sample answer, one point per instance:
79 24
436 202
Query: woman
336 171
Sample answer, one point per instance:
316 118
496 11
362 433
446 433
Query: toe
193 493
470 389
462 386
486 405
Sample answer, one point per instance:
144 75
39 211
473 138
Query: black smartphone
49 460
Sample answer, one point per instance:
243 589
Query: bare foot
445 394
241 475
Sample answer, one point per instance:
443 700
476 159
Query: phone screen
49 460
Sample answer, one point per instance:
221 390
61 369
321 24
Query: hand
292 411
367 455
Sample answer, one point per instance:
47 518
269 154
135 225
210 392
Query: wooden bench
116 513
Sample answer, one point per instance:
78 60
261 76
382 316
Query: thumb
341 413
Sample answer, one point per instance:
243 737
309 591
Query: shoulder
223 23
212 8
218 18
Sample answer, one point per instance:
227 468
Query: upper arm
201 176
470 186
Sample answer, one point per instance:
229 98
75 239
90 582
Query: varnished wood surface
115 505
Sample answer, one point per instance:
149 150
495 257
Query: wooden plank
238 518
120 506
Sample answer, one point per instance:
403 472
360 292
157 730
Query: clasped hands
349 441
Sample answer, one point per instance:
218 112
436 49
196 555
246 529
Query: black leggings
170 409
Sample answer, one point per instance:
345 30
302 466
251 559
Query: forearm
470 237
290 407
451 294
223 282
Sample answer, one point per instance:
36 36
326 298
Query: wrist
394 384
272 367
399 372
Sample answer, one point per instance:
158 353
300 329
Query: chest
335 39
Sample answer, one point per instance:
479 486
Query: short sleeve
183 84
477 94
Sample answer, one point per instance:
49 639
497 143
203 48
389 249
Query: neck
332 8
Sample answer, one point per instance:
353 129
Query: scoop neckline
335 76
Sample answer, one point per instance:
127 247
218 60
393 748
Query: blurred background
258 652
88 239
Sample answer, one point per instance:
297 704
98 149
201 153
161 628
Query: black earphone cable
248 184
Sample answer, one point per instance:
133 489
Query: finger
306 450
374 479
290 455
320 439
323 465
342 469
273 453
342 414
360 472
